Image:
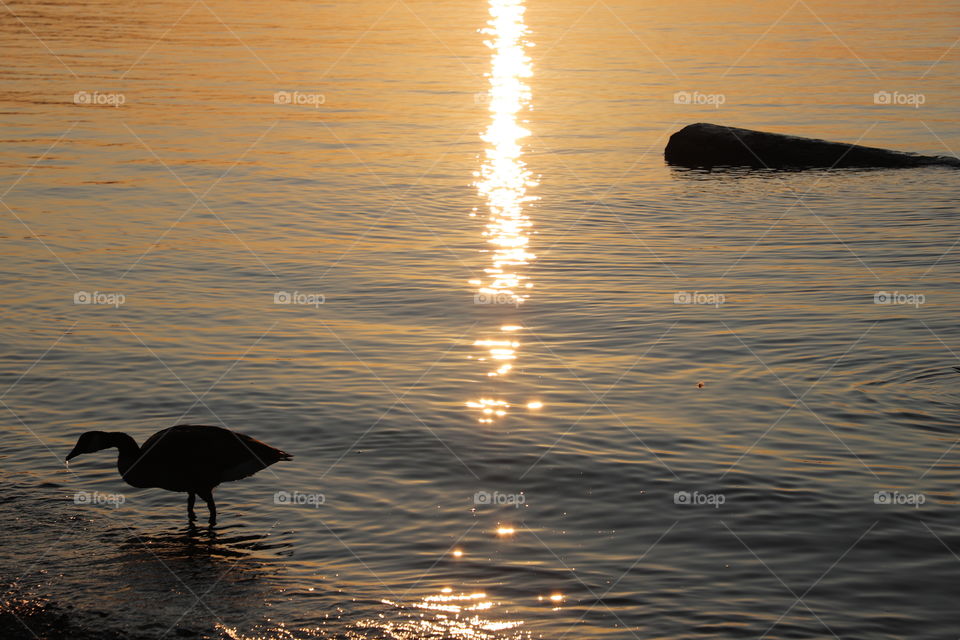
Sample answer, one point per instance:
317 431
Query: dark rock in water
713 145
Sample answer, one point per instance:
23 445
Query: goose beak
73 454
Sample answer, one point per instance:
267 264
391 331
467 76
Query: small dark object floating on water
705 145
190 458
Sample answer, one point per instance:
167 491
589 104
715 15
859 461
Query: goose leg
191 500
207 495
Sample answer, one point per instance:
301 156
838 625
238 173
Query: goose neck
128 448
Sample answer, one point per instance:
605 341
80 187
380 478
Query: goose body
190 458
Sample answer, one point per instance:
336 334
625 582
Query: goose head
91 442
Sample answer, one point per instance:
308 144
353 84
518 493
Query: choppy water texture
679 429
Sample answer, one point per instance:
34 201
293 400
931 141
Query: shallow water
199 199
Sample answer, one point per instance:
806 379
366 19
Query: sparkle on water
503 181
449 615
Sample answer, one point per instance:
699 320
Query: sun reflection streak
503 181
504 177
449 615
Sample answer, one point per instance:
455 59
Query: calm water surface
518 425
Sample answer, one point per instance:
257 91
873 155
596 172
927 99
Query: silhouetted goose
190 458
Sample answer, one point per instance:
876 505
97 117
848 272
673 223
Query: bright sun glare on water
450 615
503 181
